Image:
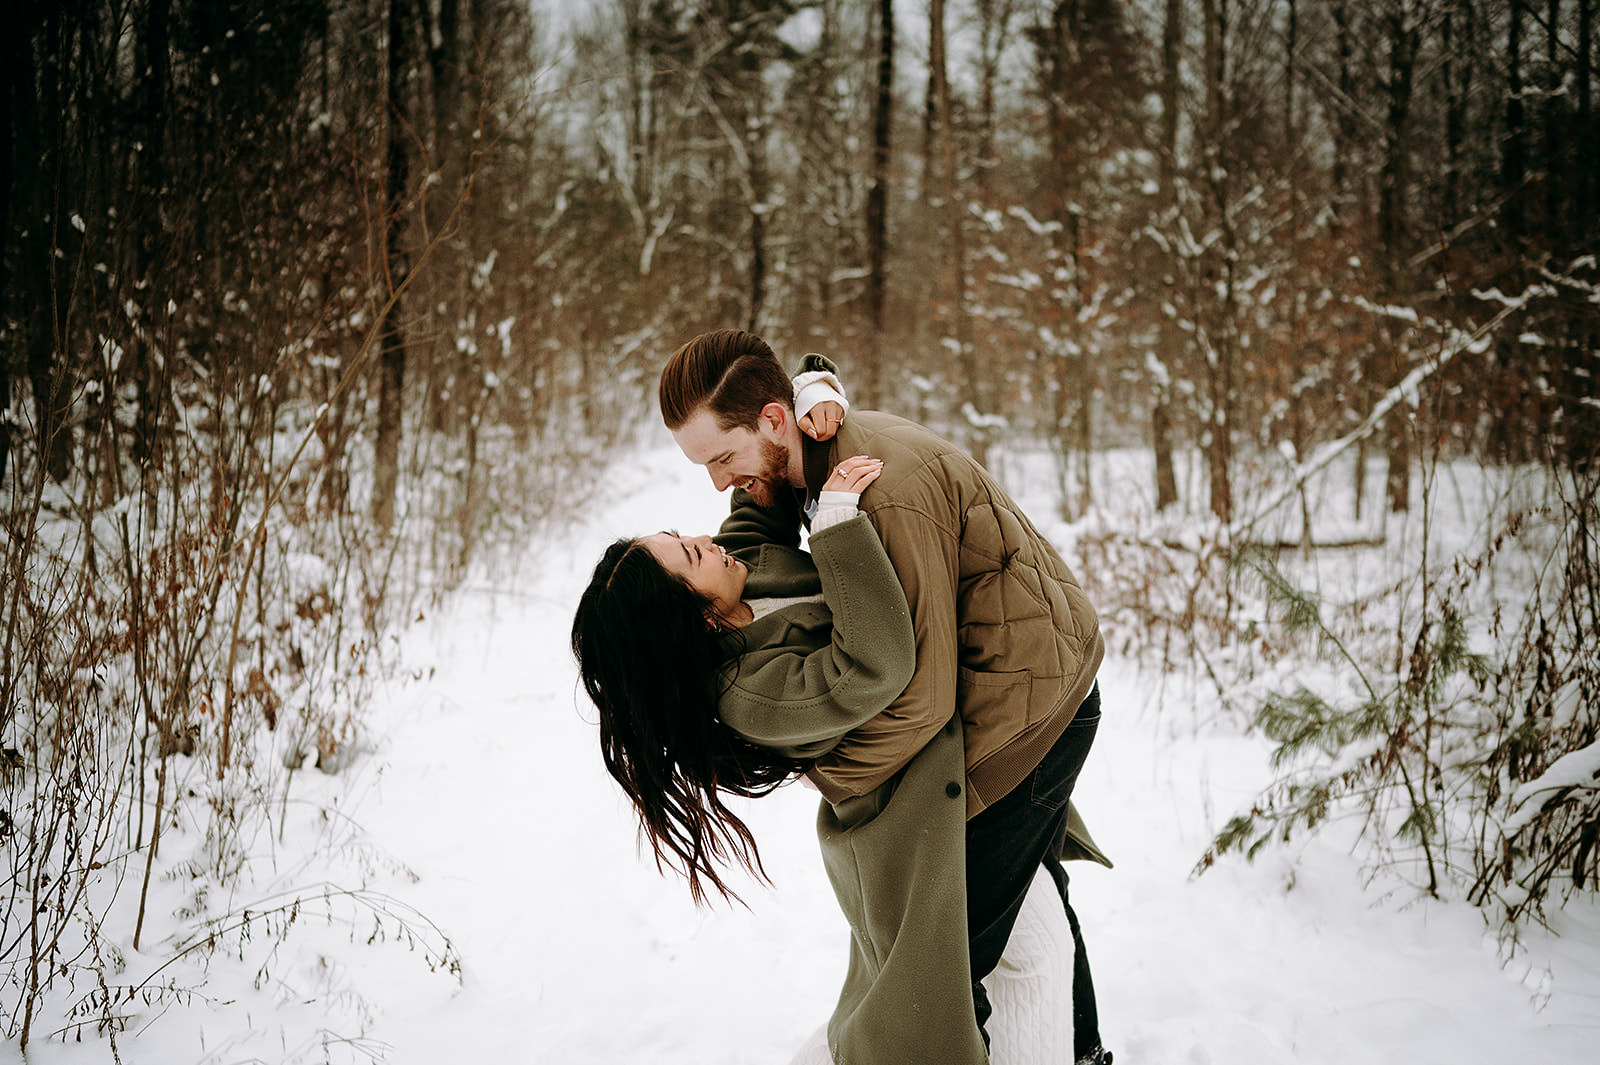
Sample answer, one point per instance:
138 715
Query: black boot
1098 1056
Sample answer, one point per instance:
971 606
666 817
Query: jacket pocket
998 703
858 811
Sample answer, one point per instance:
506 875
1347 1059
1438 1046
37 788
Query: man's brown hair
732 373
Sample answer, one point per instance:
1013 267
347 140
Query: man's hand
822 421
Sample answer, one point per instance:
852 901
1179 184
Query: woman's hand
822 421
853 474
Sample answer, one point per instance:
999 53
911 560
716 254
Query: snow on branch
1403 314
981 421
1025 280
1407 391
1514 303
1575 769
1589 289
1036 227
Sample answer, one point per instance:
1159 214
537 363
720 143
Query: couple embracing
929 666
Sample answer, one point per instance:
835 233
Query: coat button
952 789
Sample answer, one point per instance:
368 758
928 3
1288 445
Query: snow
480 811
1575 769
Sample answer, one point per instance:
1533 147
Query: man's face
756 461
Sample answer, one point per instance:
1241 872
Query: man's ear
775 416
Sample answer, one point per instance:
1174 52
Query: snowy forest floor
480 811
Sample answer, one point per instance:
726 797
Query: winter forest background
313 310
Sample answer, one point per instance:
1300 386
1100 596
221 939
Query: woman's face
707 568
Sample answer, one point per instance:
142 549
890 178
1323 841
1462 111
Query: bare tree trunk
334 488
1172 338
994 36
1071 384
1218 443
878 198
392 345
149 366
954 209
1219 428
930 109
1213 13
1343 117
1344 120
16 40
1452 75
1393 190
45 375
1508 418
1290 142
1298 420
41 298
433 355
1171 57
1084 377
1583 361
1514 163
444 58
755 132
1554 104
1588 155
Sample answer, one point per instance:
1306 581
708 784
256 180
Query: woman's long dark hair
651 663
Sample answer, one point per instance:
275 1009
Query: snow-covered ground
482 807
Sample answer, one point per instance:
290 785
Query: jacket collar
816 462
779 571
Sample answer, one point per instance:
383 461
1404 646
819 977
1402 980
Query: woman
681 646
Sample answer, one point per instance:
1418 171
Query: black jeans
1006 844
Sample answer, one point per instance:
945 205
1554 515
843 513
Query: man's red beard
774 472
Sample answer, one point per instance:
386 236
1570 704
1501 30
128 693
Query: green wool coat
799 680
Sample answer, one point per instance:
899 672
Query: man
1007 649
